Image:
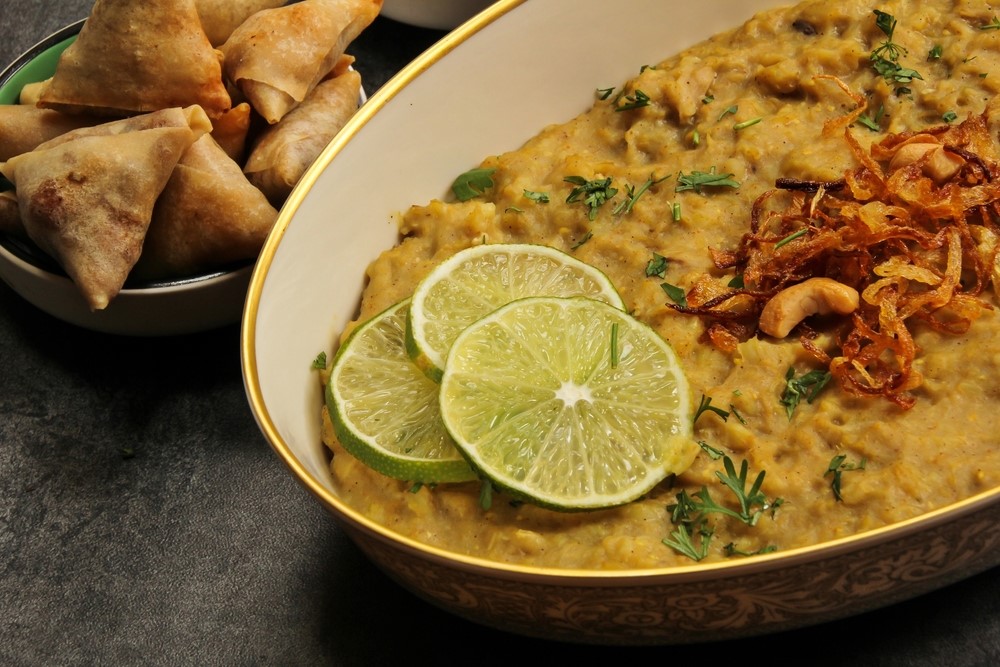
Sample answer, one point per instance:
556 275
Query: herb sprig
593 192
838 465
885 57
696 180
807 386
689 514
632 194
636 100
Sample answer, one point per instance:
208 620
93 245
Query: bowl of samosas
145 153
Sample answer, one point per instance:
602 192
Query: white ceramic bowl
307 283
437 14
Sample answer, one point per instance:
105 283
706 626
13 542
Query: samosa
208 216
136 57
277 56
86 197
285 150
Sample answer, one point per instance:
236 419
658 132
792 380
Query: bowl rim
39 47
355 519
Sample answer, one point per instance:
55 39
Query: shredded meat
899 228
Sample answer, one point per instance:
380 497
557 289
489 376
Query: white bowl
437 14
534 63
166 308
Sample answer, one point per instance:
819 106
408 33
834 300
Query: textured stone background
201 549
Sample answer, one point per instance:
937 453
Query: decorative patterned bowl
305 289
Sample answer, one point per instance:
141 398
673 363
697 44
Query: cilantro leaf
473 183
805 386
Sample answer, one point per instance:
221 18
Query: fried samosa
23 128
277 56
208 216
231 129
220 17
137 57
32 92
10 215
285 150
86 198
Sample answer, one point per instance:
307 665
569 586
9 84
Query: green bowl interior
34 69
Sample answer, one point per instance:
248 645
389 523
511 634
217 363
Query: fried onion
904 228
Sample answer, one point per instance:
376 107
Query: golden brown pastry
220 17
285 150
135 57
32 92
230 130
277 56
193 117
22 128
208 216
86 198
10 216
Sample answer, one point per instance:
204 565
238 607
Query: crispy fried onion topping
913 229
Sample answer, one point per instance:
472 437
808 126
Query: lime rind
385 411
476 281
531 395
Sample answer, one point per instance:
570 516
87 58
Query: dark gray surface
201 549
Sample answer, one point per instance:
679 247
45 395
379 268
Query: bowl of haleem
799 201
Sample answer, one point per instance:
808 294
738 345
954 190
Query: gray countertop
199 548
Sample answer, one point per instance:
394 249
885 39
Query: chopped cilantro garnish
697 180
689 514
657 266
705 405
614 345
873 122
837 468
676 294
473 183
791 237
728 110
747 123
634 101
593 193
319 363
805 386
583 239
885 57
633 194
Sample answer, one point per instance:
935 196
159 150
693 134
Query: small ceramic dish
170 307
307 284
435 14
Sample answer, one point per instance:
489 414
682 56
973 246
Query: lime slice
480 279
385 411
568 403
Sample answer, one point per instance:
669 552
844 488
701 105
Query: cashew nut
816 296
939 164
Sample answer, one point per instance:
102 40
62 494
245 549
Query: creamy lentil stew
702 117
